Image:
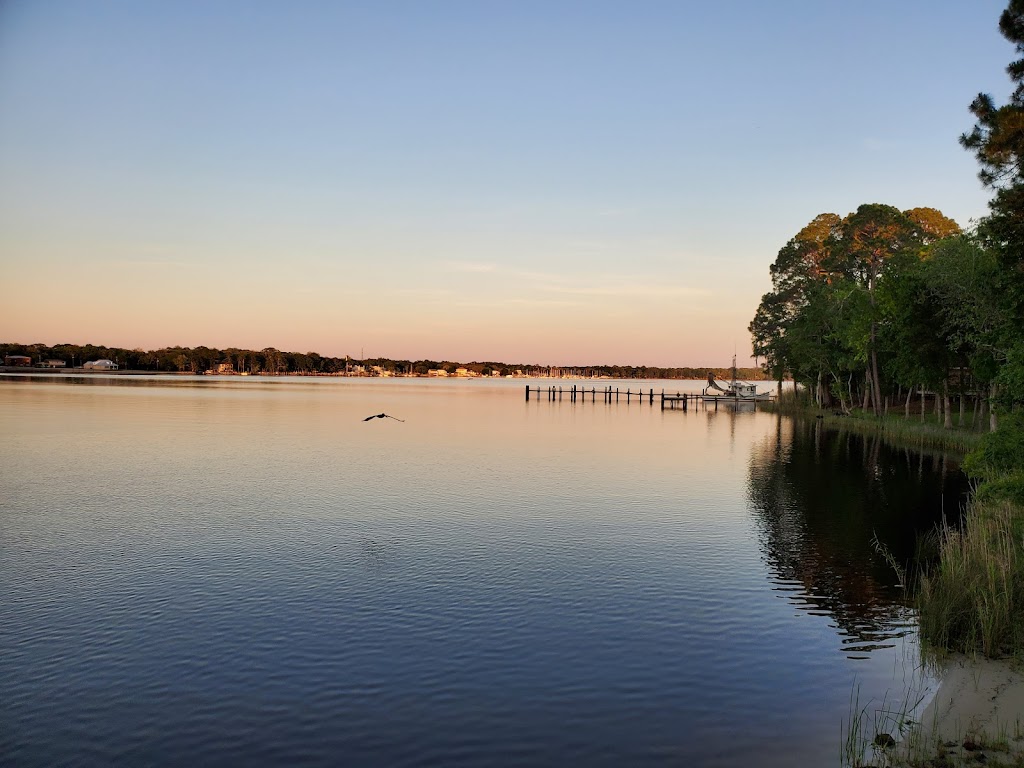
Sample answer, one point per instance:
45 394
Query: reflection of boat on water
736 391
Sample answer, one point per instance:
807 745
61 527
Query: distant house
225 368
17 360
100 365
439 372
52 364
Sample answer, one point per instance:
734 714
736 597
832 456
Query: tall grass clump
795 400
912 434
973 600
870 733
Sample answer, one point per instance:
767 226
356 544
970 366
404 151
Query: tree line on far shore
270 361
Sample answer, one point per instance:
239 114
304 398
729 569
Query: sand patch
977 716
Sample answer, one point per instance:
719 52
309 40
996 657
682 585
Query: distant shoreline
79 371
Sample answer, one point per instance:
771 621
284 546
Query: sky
564 183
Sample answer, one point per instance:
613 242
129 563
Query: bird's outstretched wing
381 416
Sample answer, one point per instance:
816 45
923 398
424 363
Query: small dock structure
609 395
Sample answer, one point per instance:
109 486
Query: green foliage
1008 487
1010 379
999 454
974 600
851 297
997 141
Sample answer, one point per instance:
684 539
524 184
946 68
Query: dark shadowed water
242 571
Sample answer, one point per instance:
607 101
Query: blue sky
541 182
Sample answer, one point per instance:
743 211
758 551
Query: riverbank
971 603
976 717
913 432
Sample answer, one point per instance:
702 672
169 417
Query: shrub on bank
998 461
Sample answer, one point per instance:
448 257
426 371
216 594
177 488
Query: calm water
242 571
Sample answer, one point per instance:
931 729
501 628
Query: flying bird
381 416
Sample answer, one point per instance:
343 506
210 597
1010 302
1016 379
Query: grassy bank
913 432
972 601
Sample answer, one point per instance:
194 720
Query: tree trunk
906 407
839 390
947 422
867 389
876 388
961 423
922 403
992 421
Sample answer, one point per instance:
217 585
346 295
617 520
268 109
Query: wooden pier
609 395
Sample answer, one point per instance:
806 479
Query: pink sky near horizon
638 324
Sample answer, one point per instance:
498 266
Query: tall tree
869 238
997 141
797 269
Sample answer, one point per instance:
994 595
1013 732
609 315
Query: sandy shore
978 710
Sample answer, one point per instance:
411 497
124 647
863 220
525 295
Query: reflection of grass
973 600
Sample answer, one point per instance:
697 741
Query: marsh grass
910 433
905 433
871 732
920 747
791 401
972 600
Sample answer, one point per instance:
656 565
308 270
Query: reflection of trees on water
821 497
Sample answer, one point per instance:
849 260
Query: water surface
242 571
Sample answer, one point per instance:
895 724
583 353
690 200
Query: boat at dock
736 391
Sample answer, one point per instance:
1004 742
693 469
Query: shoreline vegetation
873 310
970 605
